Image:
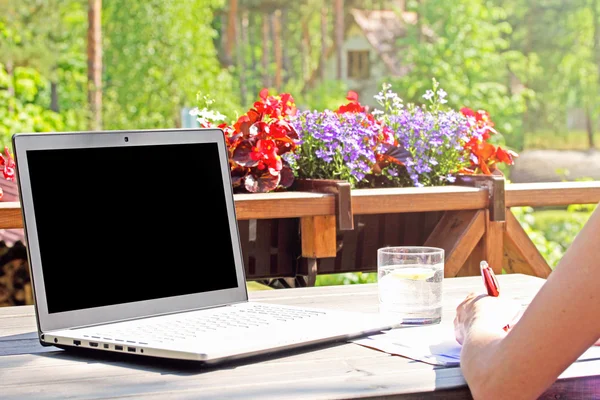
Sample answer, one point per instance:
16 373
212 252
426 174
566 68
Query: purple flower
434 140
335 146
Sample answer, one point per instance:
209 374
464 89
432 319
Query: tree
159 56
560 40
42 68
94 51
468 53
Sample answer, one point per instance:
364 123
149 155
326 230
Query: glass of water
410 283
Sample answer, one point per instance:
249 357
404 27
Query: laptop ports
77 342
93 344
117 347
131 349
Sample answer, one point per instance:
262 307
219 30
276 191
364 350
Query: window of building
358 64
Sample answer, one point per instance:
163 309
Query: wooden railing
476 222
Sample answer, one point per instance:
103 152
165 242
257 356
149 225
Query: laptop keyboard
193 325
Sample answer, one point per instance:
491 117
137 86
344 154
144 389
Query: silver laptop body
133 247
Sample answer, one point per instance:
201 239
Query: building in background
370 50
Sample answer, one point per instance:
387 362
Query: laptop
133 247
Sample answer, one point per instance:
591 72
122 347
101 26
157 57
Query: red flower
352 96
265 152
484 156
275 106
263 94
280 129
467 112
353 106
506 156
482 119
256 141
7 165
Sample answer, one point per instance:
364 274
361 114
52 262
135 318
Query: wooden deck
342 371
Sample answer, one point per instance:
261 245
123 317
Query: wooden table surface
340 371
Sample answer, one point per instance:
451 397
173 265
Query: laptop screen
124 224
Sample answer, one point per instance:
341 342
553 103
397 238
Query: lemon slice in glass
412 273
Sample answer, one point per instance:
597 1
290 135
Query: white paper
432 344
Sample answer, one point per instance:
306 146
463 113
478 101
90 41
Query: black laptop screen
124 224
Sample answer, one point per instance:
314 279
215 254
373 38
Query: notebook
133 247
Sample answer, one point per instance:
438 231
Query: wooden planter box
346 238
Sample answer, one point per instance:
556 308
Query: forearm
478 362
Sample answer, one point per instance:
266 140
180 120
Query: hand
483 312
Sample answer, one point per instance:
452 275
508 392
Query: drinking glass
410 283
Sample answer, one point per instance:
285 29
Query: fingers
467 299
458 334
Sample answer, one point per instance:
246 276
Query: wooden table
341 371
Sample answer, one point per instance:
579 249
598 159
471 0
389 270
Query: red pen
489 279
491 283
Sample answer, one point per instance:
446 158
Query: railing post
318 233
493 239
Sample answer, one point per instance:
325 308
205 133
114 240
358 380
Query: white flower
207 115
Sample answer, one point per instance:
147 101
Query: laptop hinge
149 316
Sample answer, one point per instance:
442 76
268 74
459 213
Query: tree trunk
589 125
231 31
596 18
276 18
250 44
241 61
285 38
222 50
54 97
266 59
528 49
11 84
420 14
324 35
94 50
339 35
306 50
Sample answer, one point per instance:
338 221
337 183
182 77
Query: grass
348 278
255 286
545 218
549 140
561 226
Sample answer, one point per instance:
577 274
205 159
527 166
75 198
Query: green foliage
561 226
19 112
37 51
349 278
159 55
328 95
463 44
559 36
553 231
551 140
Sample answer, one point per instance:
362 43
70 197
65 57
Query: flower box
274 147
